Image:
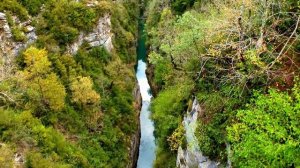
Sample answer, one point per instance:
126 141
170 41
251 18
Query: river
147 141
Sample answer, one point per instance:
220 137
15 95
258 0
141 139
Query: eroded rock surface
192 157
100 36
10 48
135 139
8 45
19 160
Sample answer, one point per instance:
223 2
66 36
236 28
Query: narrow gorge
149 83
147 140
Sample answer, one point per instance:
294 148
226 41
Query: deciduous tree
43 88
83 93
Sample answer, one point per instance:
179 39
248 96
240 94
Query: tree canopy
267 132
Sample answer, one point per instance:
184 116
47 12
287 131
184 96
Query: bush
33 6
65 19
179 6
167 110
6 156
65 34
18 34
15 8
36 160
266 132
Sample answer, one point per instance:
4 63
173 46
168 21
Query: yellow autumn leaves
82 91
44 88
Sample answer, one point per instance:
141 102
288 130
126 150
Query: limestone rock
29 28
18 159
2 16
100 36
192 156
8 47
4 27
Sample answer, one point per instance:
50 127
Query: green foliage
18 35
266 132
16 31
65 34
114 82
65 67
83 93
43 87
15 8
212 45
167 109
179 6
6 156
179 41
36 160
22 127
32 6
57 115
78 15
124 43
154 10
162 69
217 110
93 62
165 159
177 139
64 20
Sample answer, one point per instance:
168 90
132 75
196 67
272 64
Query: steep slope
230 56
70 87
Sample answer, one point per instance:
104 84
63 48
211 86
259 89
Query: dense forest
63 110
69 95
240 60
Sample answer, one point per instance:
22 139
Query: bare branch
283 49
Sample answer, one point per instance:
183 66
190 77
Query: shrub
33 6
15 8
266 132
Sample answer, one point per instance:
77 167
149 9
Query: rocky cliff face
5 29
10 48
5 47
100 36
192 156
135 139
8 45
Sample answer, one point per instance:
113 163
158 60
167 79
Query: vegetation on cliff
240 59
61 110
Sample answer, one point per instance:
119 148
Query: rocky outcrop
10 48
100 36
137 97
135 139
5 29
8 45
19 160
150 76
192 156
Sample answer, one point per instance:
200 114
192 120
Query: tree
37 63
267 132
50 90
43 88
83 93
